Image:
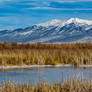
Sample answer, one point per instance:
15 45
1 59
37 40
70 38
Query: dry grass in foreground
45 54
66 86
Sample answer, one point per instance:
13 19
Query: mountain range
54 31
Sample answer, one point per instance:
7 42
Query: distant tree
5 45
14 45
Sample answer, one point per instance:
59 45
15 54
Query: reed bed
45 54
67 86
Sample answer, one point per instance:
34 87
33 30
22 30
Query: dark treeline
15 45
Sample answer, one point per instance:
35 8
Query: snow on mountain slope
54 31
54 22
80 21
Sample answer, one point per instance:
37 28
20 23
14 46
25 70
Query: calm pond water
49 75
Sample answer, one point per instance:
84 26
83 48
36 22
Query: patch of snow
88 28
40 66
25 33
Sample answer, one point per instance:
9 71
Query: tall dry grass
45 54
67 86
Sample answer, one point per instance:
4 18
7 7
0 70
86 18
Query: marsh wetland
68 67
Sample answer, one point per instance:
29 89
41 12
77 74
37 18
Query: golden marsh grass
45 54
67 86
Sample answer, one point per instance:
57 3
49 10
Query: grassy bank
66 86
45 54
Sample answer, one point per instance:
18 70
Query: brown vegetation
53 54
67 86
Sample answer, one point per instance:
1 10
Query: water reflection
50 75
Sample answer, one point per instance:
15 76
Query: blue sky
23 13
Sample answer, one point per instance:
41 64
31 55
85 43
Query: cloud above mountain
29 12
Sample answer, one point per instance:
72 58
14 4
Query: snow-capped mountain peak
54 22
79 21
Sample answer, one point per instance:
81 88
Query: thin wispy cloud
71 1
51 8
43 8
